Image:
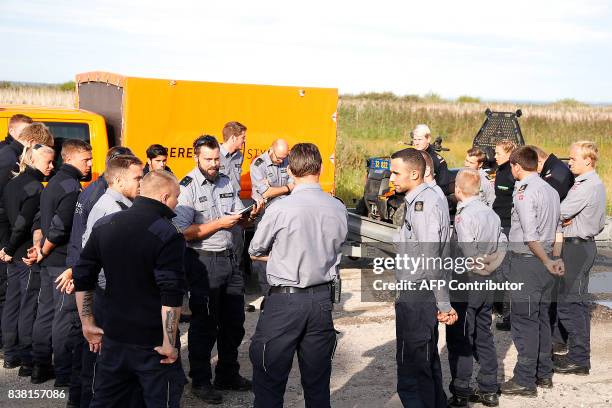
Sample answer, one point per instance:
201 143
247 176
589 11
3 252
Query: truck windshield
65 130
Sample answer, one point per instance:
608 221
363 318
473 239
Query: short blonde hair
37 133
421 130
588 149
468 181
507 145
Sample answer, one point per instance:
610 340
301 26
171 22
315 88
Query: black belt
226 253
578 240
311 289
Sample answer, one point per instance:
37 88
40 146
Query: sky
520 50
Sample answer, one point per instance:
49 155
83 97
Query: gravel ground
364 365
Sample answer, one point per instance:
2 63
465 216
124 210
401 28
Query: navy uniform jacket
86 201
142 254
558 175
441 173
57 204
9 155
504 186
20 203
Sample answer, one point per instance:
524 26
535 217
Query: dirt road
364 366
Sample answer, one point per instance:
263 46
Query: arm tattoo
87 309
171 325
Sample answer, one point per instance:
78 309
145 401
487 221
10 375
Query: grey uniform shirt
202 201
585 205
478 228
535 214
231 166
303 234
440 194
263 169
425 232
487 188
110 202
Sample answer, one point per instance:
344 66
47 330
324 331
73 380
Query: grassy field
379 124
370 127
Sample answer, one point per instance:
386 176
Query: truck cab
65 123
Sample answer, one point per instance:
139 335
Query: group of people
533 225
96 277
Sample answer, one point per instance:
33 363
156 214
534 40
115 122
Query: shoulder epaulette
259 161
186 181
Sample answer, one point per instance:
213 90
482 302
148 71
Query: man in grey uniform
535 222
206 215
583 213
234 137
270 182
302 235
478 234
475 159
425 231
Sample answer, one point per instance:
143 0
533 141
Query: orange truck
137 112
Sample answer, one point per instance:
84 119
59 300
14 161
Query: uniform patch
259 162
418 206
283 170
457 220
520 196
238 165
226 195
522 188
202 199
186 181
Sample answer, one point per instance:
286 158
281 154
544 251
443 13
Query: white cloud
409 47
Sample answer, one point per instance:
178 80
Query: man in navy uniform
142 254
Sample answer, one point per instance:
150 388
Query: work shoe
512 388
544 382
9 365
41 374
25 370
488 399
238 383
207 393
457 401
567 367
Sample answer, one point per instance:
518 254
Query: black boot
567 367
544 382
41 374
25 370
488 399
457 401
207 393
238 383
512 388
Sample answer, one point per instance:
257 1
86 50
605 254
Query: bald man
142 255
270 182
269 177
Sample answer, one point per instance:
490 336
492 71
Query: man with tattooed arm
142 254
